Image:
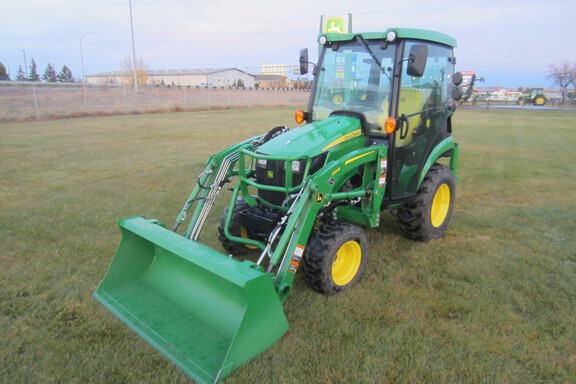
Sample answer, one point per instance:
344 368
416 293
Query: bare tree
141 71
563 75
572 76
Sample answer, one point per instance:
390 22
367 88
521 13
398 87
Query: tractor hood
332 134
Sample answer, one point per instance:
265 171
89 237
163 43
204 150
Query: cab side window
422 112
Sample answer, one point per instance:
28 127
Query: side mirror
304 61
457 78
417 60
457 93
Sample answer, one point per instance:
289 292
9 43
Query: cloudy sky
511 43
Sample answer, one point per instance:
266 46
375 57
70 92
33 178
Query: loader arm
210 182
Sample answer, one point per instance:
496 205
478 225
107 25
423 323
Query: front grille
274 173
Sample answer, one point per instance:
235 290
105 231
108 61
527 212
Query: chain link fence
21 101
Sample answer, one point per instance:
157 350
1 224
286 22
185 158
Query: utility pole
133 48
83 69
25 64
236 68
82 56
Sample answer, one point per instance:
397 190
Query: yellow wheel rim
244 235
346 263
440 205
539 101
337 99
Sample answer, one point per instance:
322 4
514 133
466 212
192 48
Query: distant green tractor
532 96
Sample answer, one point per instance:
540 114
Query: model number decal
346 137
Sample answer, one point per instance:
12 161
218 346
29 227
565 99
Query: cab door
422 115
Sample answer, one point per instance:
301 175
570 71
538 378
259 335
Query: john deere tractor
299 199
532 96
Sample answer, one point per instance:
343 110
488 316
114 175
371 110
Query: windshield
356 76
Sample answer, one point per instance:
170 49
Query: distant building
273 81
217 77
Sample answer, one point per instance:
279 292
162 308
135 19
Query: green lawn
494 301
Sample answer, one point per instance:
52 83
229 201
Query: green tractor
532 96
300 199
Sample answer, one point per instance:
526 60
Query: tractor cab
400 82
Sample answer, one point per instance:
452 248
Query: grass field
494 301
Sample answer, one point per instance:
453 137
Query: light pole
236 65
238 58
25 65
133 48
82 56
83 69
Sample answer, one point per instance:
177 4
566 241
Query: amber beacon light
299 116
390 125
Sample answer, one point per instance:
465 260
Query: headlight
296 166
261 163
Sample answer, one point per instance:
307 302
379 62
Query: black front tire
427 216
335 258
236 229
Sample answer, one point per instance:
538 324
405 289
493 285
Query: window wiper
365 44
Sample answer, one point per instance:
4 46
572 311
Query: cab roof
401 33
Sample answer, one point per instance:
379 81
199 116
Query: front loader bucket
206 312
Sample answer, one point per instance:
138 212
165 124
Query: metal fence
26 100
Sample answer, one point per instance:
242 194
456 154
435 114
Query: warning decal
383 170
295 262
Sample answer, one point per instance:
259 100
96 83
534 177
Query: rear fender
445 146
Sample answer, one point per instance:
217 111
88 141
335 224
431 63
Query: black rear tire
274 132
427 216
335 258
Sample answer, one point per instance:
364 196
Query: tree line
50 75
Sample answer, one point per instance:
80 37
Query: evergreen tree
65 75
3 72
33 72
50 74
20 75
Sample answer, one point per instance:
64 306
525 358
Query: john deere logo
270 174
335 25
319 198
